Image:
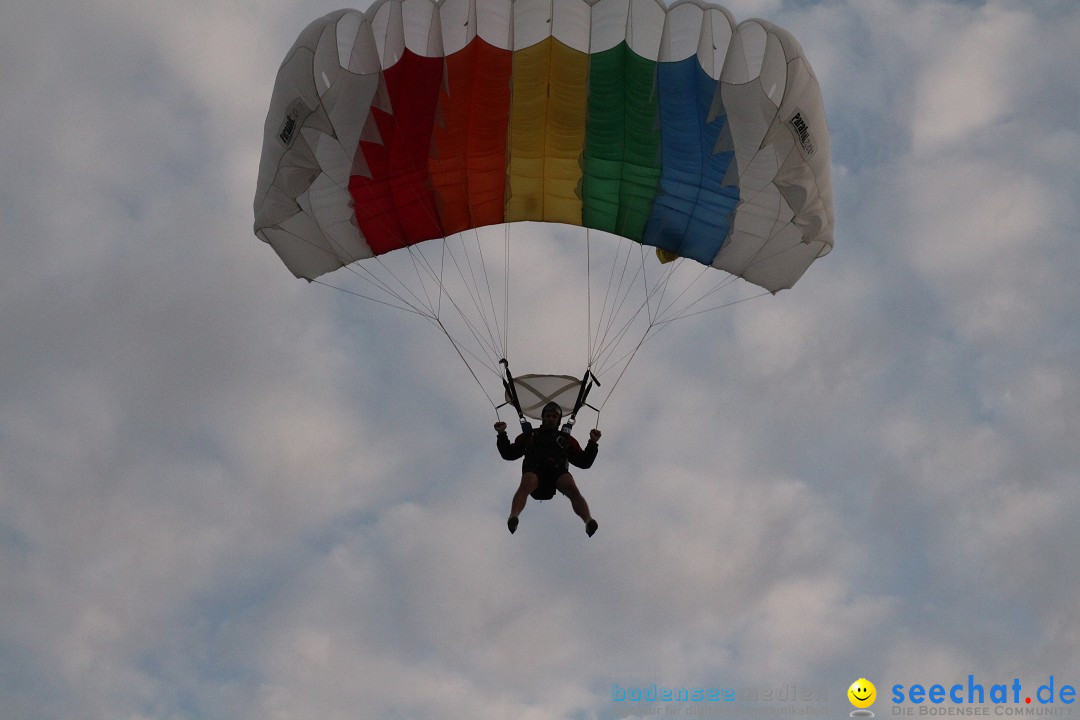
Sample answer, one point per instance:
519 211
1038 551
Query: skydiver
547 450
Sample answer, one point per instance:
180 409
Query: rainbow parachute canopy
669 126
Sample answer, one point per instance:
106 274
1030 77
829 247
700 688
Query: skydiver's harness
585 385
546 452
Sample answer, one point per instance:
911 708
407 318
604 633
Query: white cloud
231 494
974 69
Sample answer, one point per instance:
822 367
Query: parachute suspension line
604 357
424 307
617 298
442 269
506 289
610 346
610 340
361 270
605 321
405 308
626 285
644 277
421 260
427 312
492 326
468 366
473 291
491 299
684 315
654 298
654 325
457 347
420 281
622 289
611 390
659 321
600 354
620 283
588 296
428 307
427 315
649 334
588 377
603 305
728 279
665 308
684 312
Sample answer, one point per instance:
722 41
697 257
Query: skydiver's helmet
552 407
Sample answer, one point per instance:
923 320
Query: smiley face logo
862 693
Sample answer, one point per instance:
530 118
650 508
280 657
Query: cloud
228 493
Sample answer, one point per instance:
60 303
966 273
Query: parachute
416 130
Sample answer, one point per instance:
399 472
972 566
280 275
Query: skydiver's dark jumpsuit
546 453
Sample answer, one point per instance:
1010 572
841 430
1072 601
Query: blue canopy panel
693 210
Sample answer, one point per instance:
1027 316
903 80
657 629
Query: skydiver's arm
510 450
582 458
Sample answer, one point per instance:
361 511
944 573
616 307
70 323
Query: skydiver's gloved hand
594 435
500 427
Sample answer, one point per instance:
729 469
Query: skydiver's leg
529 482
569 488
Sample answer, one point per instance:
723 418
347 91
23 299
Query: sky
228 494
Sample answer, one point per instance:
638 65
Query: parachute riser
511 392
587 382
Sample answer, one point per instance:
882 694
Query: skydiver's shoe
590 527
511 523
